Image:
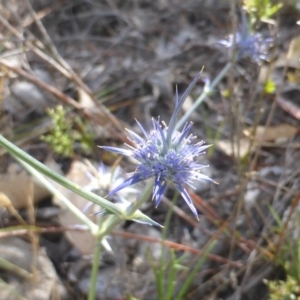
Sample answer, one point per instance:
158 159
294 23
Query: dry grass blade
99 115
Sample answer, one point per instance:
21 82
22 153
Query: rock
43 284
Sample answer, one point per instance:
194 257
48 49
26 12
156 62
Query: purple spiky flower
248 44
166 154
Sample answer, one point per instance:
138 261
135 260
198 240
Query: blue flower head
248 44
167 155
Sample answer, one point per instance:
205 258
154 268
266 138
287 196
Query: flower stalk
243 43
69 205
206 92
17 152
106 227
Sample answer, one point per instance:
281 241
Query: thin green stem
206 92
191 276
17 152
111 222
70 206
172 276
163 270
143 197
95 269
168 217
12 290
8 266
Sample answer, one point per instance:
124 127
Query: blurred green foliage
288 257
67 133
284 290
260 10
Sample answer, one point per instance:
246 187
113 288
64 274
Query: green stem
188 281
206 92
70 206
163 270
10 267
95 269
12 290
17 152
141 199
111 222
